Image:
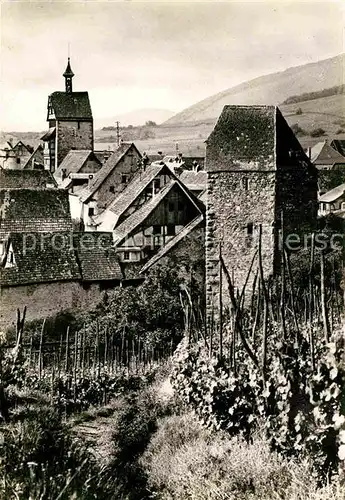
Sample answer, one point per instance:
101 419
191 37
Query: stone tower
256 170
70 123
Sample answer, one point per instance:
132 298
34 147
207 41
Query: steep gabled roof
97 258
106 170
243 134
333 194
323 154
173 242
195 181
74 161
139 216
34 210
71 105
339 145
39 259
26 179
137 185
37 154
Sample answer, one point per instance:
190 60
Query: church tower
68 74
70 123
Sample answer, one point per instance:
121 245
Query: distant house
156 222
14 157
339 145
36 160
26 179
333 201
195 181
55 272
70 123
77 170
325 157
110 180
144 186
34 210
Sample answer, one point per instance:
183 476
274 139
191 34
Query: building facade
70 123
257 175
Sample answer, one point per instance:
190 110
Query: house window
245 183
78 125
343 206
112 189
18 160
156 229
126 255
250 229
156 184
171 207
91 211
171 230
124 179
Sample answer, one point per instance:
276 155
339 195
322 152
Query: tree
150 123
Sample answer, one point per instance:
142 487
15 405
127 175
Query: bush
299 111
297 130
40 459
135 425
186 461
317 132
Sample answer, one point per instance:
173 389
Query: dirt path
96 425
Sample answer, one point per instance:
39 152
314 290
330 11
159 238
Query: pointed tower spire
68 74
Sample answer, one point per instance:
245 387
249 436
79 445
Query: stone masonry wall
237 200
70 135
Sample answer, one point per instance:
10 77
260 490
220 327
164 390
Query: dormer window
112 189
124 179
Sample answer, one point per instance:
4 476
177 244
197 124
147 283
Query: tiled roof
61 256
34 210
97 257
28 179
36 155
323 154
39 258
139 216
139 182
73 161
170 244
244 133
71 105
339 145
194 180
106 170
333 194
49 135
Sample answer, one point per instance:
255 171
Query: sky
170 55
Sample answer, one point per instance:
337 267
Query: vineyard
275 361
263 374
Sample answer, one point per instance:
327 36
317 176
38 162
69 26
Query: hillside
136 118
269 89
